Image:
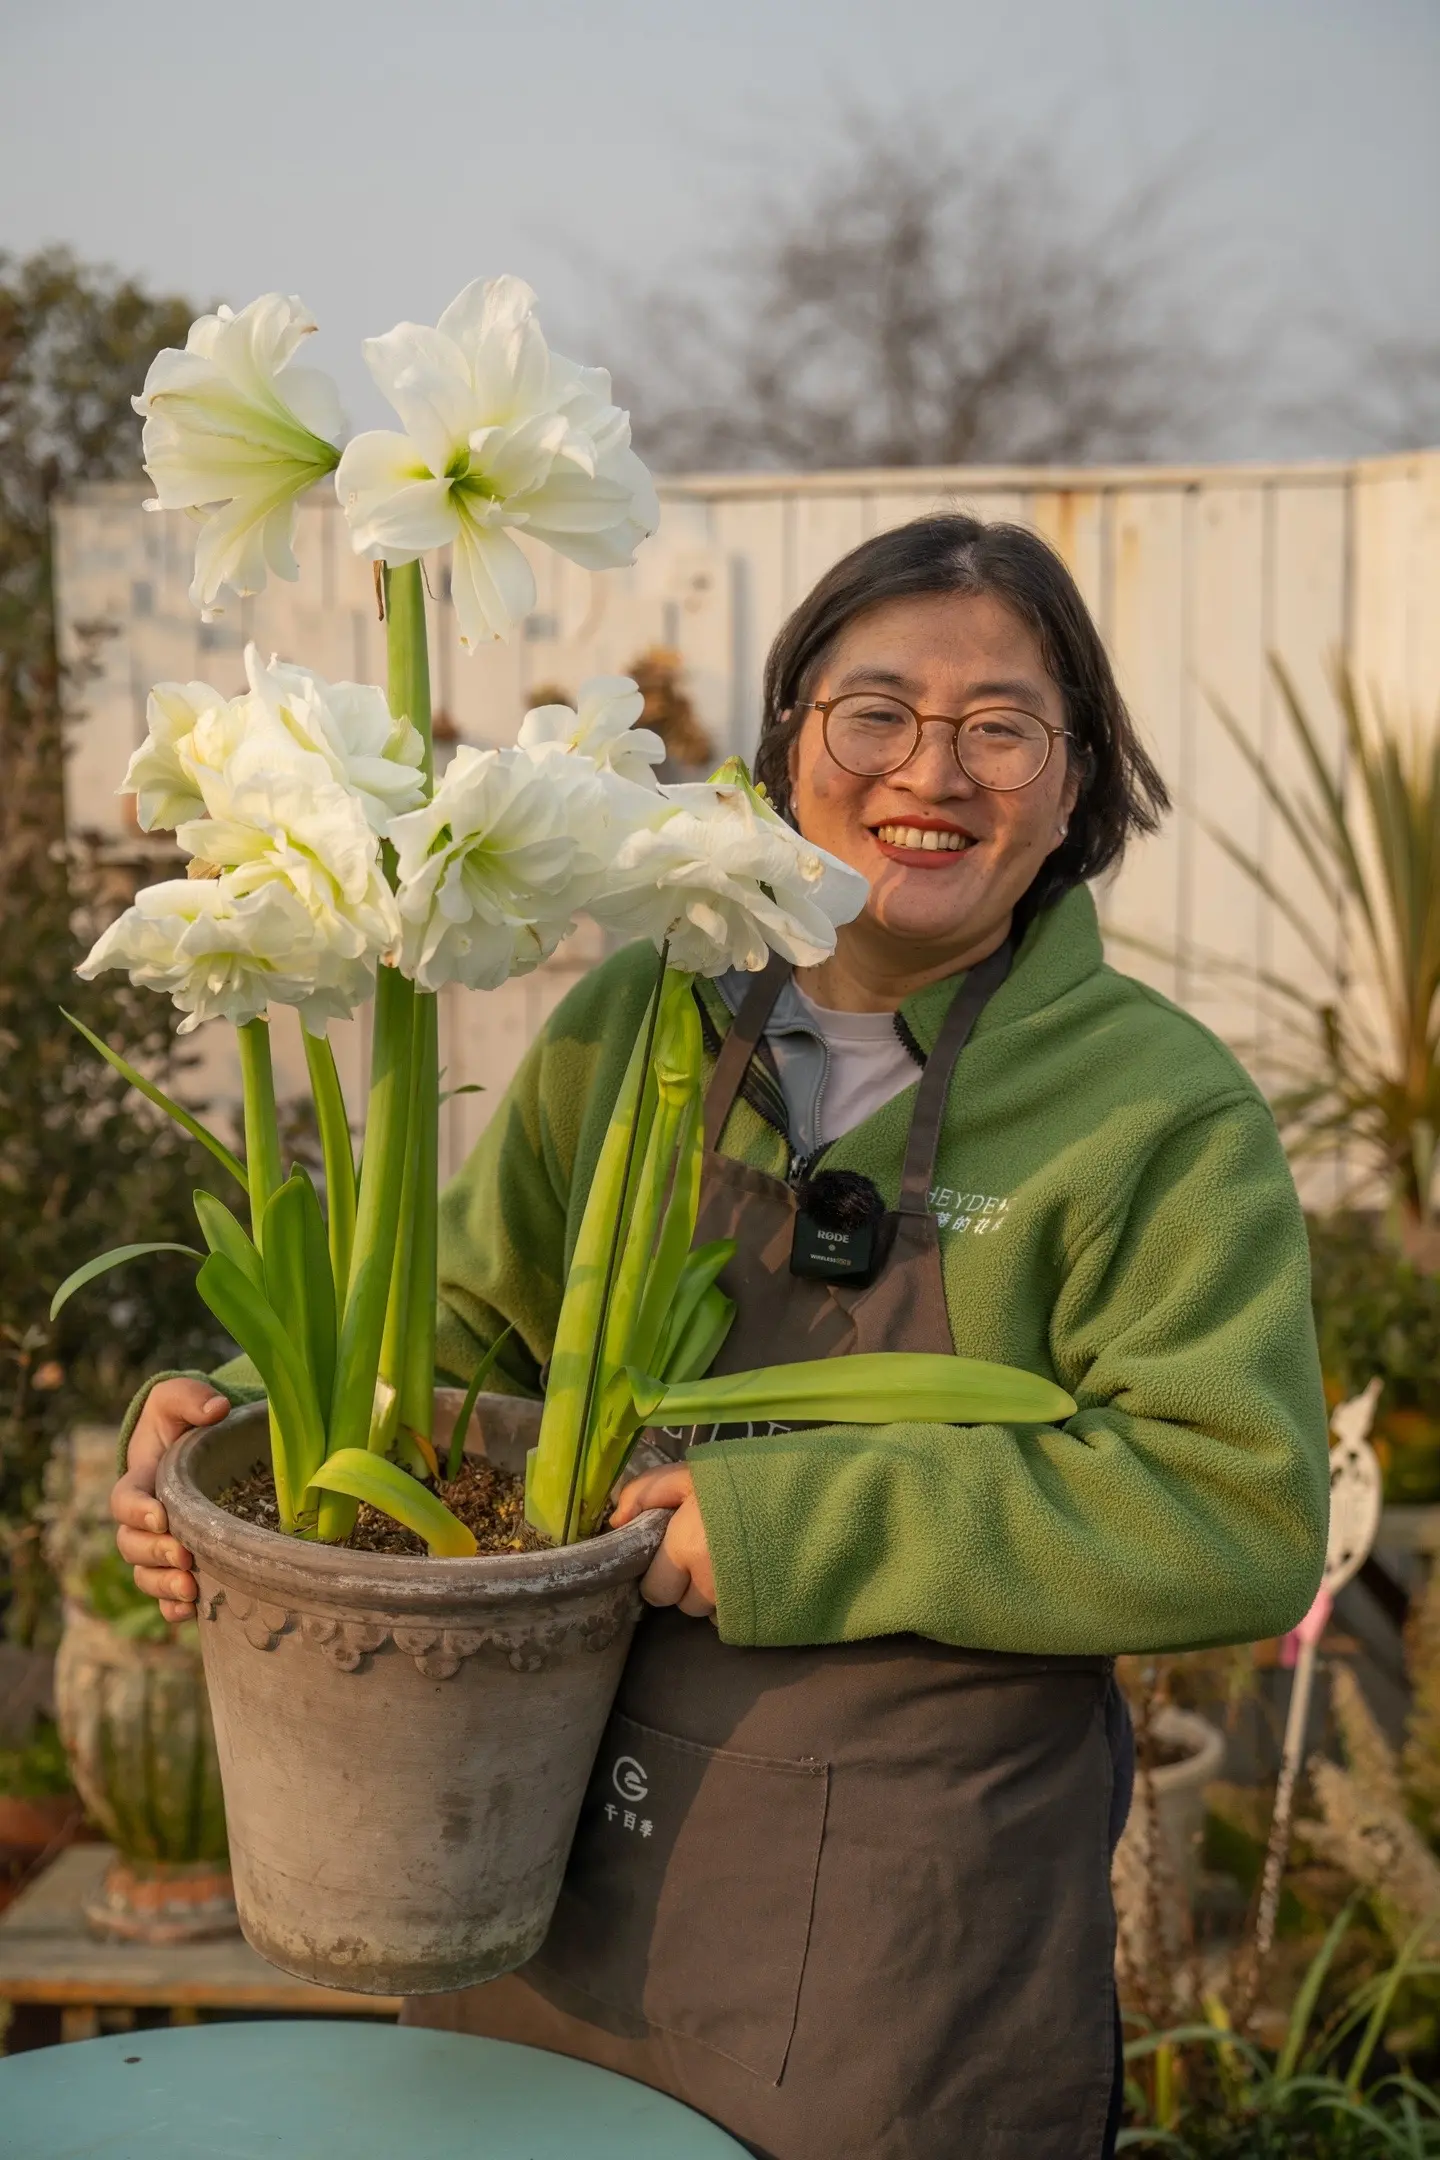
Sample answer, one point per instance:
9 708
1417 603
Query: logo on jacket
630 1778
975 1212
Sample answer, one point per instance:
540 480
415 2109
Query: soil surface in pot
487 1500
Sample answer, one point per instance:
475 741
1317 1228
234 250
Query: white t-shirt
867 1064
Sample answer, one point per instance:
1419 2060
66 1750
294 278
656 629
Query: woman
842 1878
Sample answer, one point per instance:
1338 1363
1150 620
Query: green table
303 2089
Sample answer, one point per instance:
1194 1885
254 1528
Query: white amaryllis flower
157 776
601 727
499 432
281 819
225 955
235 431
712 869
194 729
492 871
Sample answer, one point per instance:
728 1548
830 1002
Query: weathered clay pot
404 1743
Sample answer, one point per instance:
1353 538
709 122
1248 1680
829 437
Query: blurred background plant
1359 1064
82 1163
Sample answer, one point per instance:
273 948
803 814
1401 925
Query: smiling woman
842 1879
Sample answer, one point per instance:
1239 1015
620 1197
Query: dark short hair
1120 793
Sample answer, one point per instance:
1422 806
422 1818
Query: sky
375 158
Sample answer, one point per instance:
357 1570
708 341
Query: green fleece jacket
1115 1212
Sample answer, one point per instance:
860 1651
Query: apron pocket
687 1900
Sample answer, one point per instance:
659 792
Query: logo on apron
630 1778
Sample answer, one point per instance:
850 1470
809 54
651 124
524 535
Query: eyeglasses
870 735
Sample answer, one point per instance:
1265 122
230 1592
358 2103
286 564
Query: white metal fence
1195 576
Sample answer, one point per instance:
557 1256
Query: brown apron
850 1901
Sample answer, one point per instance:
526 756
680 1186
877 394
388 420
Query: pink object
1310 1630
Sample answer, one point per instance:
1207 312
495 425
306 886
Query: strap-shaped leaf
472 1395
699 1346
298 1283
102 1265
699 1274
338 1151
165 1102
224 1235
384 1485
875 1387
255 1325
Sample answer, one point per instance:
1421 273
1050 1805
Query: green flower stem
338 1154
408 1361
262 1129
408 654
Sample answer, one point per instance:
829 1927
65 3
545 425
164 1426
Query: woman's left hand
680 1574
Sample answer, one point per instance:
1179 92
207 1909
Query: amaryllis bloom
601 726
223 955
234 431
378 757
727 882
350 725
157 776
281 819
492 871
500 433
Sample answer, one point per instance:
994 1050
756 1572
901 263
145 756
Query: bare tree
914 306
1393 398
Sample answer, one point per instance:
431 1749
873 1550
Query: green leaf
164 1102
699 1346
553 1466
378 1211
701 1269
297 1425
337 1152
224 1235
472 1395
298 1282
117 1255
384 1485
880 1387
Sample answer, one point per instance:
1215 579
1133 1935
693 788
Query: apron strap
955 1030
740 1045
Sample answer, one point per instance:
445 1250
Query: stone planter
135 1722
404 1743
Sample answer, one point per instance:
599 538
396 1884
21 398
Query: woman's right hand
162 1567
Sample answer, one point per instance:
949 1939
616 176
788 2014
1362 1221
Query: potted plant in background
405 1733
134 1720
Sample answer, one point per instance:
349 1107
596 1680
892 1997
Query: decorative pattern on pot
438 1651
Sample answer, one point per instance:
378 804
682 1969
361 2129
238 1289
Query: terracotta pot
31 1827
163 1901
135 1723
404 1743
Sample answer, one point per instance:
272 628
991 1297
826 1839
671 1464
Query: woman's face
946 653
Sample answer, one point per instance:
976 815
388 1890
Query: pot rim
273 1560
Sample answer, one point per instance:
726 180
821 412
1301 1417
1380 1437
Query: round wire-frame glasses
999 754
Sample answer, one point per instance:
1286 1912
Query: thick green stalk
338 1154
262 1127
408 1361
